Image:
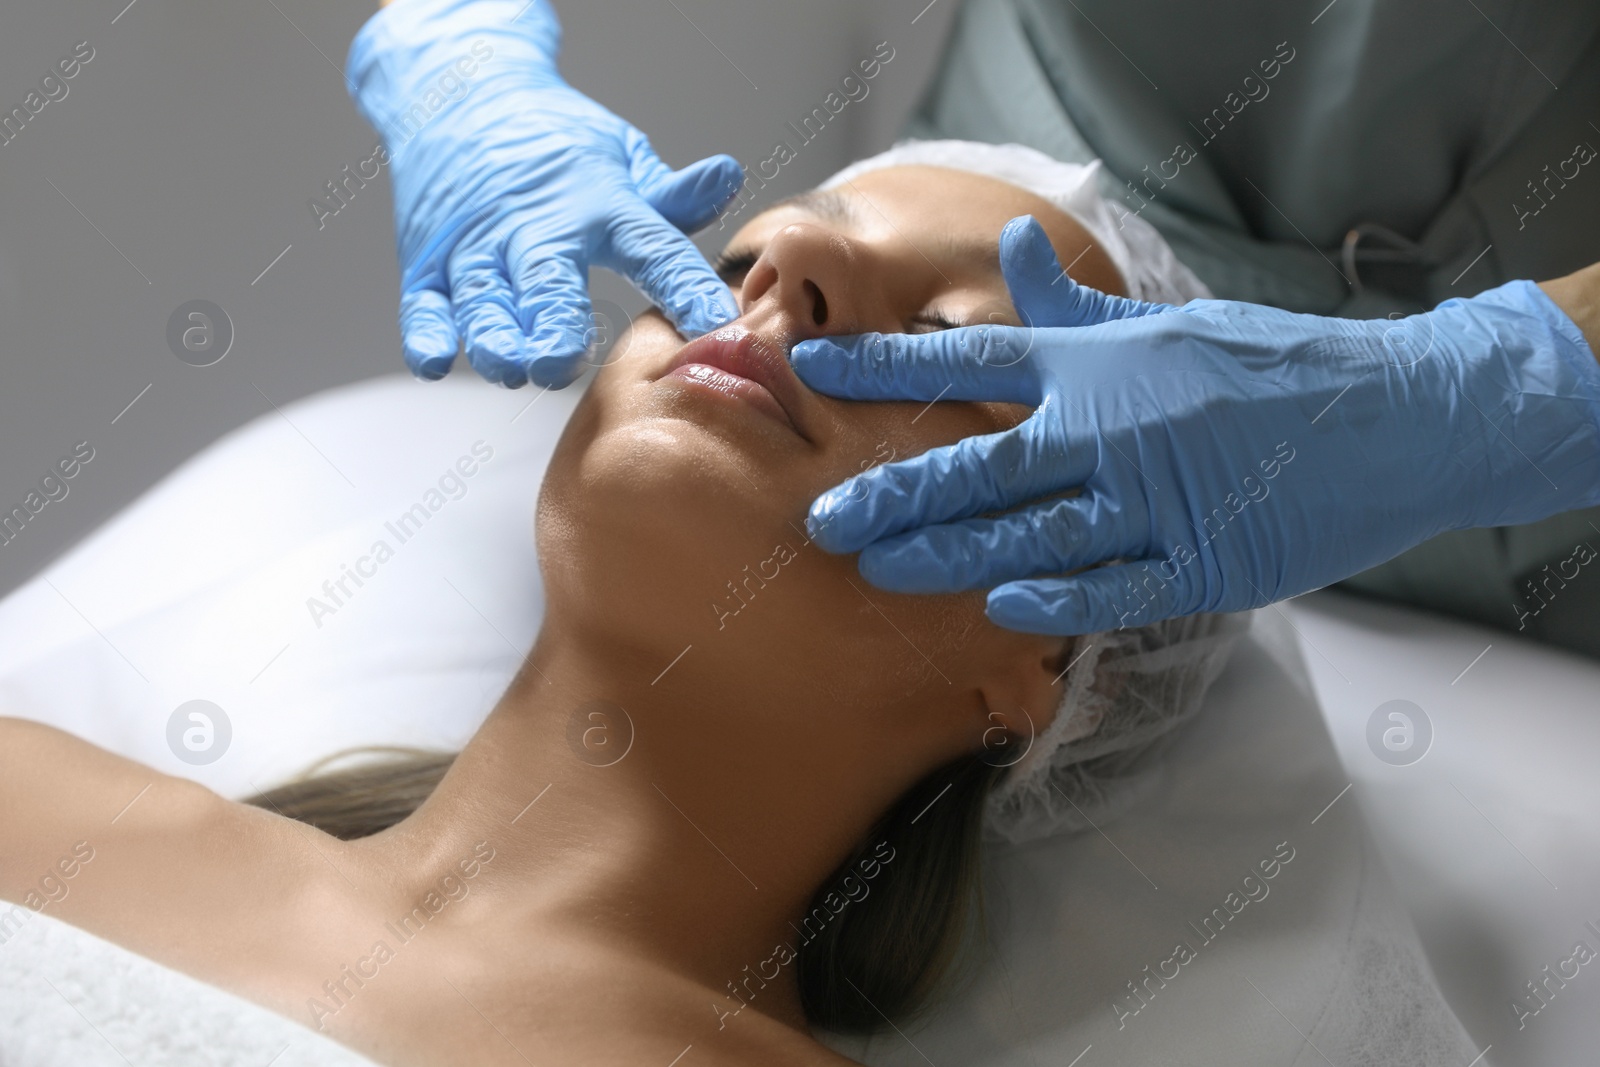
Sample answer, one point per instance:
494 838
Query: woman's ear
1021 684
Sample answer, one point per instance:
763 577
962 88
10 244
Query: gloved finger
692 197
1046 538
1096 600
428 335
688 198
551 296
989 472
669 270
972 363
1044 295
486 315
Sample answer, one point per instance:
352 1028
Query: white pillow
1246 854
1492 835
211 586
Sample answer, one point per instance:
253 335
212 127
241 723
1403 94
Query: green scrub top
1355 158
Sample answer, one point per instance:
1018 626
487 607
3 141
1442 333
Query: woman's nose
805 275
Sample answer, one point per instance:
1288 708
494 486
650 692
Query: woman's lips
732 385
738 363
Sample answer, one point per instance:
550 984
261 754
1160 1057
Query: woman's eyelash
731 265
935 320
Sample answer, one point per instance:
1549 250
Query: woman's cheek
917 428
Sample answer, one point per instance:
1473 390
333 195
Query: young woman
734 790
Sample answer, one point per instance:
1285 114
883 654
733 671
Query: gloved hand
1229 455
509 184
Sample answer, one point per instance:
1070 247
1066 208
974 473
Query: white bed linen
1323 968
1494 835
199 590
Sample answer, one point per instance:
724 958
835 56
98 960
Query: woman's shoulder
158 864
303 923
62 793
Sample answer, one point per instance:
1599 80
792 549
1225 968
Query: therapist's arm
1578 294
1229 455
509 184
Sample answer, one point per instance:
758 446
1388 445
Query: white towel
70 999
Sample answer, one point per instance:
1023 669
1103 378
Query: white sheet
1324 964
200 590
1494 835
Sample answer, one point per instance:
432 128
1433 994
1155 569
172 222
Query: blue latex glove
509 184
1229 455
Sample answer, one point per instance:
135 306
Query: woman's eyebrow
832 206
733 262
829 205
968 249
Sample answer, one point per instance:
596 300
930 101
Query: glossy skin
618 901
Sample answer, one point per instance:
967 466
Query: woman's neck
670 822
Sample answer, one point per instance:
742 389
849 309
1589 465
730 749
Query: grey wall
182 160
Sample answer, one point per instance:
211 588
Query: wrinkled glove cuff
1535 385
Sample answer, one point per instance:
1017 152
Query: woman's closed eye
732 266
933 322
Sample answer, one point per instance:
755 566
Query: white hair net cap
1148 267
1127 690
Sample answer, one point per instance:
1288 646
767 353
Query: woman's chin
657 503
684 467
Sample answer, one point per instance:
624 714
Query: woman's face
673 513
